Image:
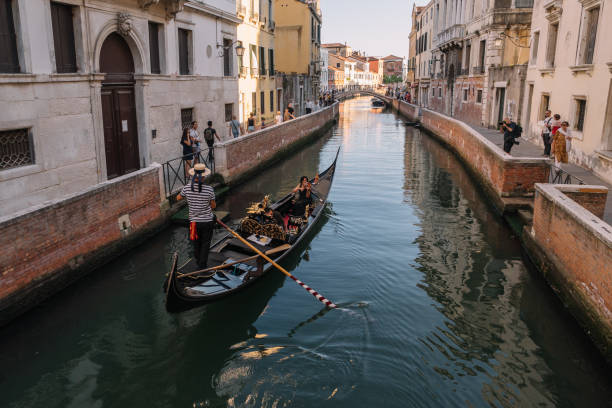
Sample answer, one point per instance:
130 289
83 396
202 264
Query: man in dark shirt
509 129
209 136
201 201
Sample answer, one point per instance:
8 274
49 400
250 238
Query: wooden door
120 135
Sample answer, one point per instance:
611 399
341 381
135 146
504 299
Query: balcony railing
453 33
254 72
464 71
478 70
439 75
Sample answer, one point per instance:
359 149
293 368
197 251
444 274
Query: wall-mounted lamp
239 48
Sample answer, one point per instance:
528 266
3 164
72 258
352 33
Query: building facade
324 70
92 91
393 66
479 53
570 73
298 41
423 68
257 84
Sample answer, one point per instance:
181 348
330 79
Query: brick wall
574 251
504 175
238 156
592 198
46 247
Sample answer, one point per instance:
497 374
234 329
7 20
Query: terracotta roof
333 45
392 57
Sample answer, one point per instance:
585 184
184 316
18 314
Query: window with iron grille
15 148
229 111
186 117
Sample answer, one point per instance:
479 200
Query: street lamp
239 48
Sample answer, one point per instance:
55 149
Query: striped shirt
199 202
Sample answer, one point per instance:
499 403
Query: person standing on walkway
251 123
201 201
209 137
196 140
278 119
546 132
186 142
559 148
565 131
509 129
235 127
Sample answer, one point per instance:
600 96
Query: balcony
254 72
451 37
439 75
242 71
478 70
464 72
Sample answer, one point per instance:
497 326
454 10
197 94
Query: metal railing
254 72
478 70
176 172
559 176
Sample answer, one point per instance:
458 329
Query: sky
378 27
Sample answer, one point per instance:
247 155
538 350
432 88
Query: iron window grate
15 148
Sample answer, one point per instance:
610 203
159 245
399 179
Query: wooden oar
314 293
250 258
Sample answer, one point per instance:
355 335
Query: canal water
439 306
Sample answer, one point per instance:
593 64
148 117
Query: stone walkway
528 149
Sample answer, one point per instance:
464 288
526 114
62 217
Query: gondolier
201 201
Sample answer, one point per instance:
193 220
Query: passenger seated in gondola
302 197
274 217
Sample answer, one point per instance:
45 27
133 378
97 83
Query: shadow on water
483 290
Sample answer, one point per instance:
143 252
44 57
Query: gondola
237 265
377 103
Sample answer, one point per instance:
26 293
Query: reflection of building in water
471 272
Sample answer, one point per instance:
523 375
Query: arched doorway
118 107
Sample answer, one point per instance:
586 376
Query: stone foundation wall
236 157
45 248
573 249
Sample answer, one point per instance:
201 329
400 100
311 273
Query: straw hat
200 168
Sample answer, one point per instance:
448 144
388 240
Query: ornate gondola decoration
234 265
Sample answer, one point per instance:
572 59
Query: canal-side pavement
525 148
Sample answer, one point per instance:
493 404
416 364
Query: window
481 54
551 47
254 102
227 57
184 38
262 61
154 47
272 101
588 36
9 59
229 111
465 95
253 59
468 54
544 104
580 106
534 47
186 117
63 38
439 92
433 92
479 96
271 61
15 148
337 65
262 101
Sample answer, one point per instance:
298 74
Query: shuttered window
154 47
183 38
9 60
227 57
551 48
262 102
262 61
591 34
63 37
272 101
271 61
